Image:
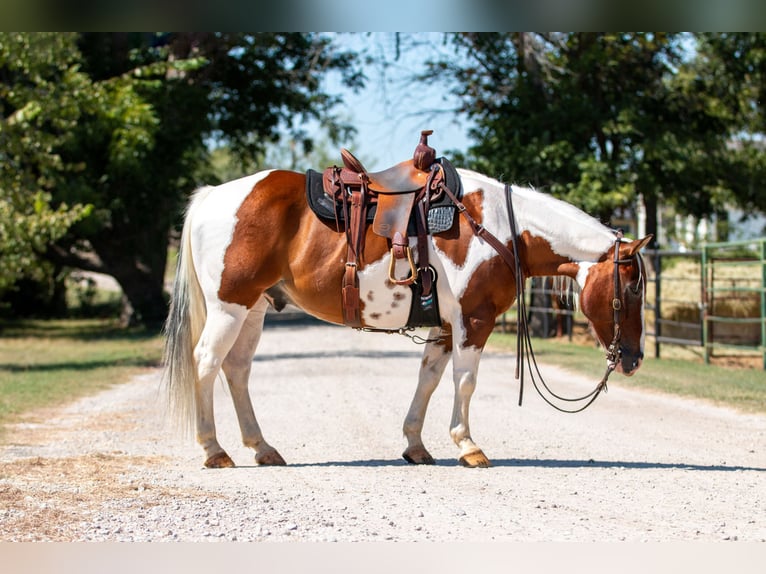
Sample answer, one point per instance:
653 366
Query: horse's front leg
435 359
466 364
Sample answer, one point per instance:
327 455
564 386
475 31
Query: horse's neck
558 237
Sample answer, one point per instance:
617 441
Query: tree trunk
144 298
140 271
136 260
650 202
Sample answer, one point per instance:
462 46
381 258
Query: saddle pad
440 215
323 206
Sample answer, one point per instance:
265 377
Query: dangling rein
524 351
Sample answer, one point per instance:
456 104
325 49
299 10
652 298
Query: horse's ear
636 245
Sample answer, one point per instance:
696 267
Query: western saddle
392 194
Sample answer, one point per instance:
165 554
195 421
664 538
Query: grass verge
741 389
47 363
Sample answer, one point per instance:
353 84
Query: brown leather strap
355 232
350 292
424 272
435 179
482 231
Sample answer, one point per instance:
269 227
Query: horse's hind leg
221 330
237 367
435 359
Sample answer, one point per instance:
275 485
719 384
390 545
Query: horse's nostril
631 362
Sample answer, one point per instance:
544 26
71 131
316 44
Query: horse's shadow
538 463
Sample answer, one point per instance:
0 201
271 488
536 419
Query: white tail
183 327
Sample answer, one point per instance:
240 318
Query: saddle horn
424 154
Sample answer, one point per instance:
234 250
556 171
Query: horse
254 242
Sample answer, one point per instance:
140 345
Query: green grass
739 388
48 363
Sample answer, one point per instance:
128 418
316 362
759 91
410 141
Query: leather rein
524 351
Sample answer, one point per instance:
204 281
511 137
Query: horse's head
612 299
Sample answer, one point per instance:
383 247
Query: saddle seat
403 177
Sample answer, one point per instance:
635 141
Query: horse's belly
384 304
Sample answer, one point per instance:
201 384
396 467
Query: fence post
763 301
657 302
703 304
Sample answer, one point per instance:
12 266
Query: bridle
524 351
614 352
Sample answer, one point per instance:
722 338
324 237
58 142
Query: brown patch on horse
481 306
278 238
444 341
457 251
539 259
250 265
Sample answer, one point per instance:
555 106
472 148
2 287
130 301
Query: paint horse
250 241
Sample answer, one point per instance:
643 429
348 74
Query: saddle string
405 332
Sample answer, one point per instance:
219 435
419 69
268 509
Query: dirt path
635 466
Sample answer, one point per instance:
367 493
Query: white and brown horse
247 236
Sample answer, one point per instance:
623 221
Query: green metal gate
734 297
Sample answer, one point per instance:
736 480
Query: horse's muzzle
629 362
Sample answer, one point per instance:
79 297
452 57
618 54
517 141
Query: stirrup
392 267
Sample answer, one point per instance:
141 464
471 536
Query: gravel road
636 466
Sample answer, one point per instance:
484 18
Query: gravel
635 466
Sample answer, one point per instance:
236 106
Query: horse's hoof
418 456
220 460
269 458
475 459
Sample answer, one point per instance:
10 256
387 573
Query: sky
389 114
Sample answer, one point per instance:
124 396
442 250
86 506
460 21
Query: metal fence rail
734 297
673 313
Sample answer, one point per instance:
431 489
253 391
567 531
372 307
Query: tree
733 69
597 119
166 96
43 95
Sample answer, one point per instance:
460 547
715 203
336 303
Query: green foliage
601 118
42 97
732 68
126 119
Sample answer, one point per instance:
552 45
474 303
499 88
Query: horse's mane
567 290
569 230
